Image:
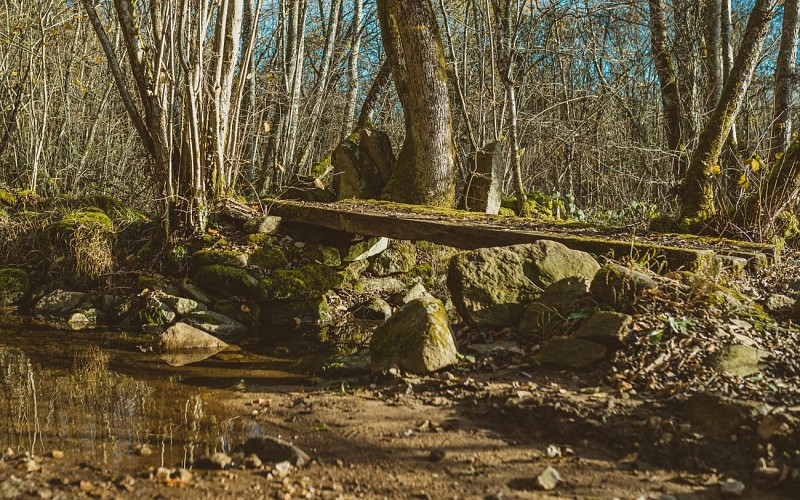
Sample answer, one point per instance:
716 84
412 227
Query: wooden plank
471 235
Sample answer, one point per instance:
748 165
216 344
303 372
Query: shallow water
102 395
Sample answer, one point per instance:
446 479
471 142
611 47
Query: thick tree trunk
698 198
425 169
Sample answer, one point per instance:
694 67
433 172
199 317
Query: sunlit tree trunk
698 197
784 81
425 169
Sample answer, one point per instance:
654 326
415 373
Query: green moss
309 281
218 257
94 219
323 165
325 255
3 214
228 280
152 283
534 208
259 240
7 198
14 285
269 259
113 207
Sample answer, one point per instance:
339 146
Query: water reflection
106 417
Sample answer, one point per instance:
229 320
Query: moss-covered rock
7 198
259 240
417 338
325 255
246 312
313 311
227 280
89 218
155 284
606 327
113 207
617 285
305 282
556 301
399 257
14 286
492 286
218 257
268 259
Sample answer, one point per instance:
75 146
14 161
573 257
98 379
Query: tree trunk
713 52
698 198
670 99
424 173
784 81
352 67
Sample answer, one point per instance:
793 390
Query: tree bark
698 198
425 169
670 99
784 81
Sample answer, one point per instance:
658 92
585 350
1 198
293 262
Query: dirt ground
453 435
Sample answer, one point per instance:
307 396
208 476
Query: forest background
602 105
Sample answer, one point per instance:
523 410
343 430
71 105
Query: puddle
102 395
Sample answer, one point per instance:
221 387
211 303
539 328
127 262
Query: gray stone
571 353
616 284
376 308
265 225
415 292
606 327
379 286
182 306
365 249
194 292
215 323
59 303
492 286
182 336
731 488
188 357
362 164
548 479
556 301
82 320
779 303
485 187
270 449
417 338
399 257
157 312
738 360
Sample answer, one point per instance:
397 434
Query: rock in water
492 286
181 336
417 338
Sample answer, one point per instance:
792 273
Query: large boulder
362 165
492 286
417 338
60 303
13 286
182 336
